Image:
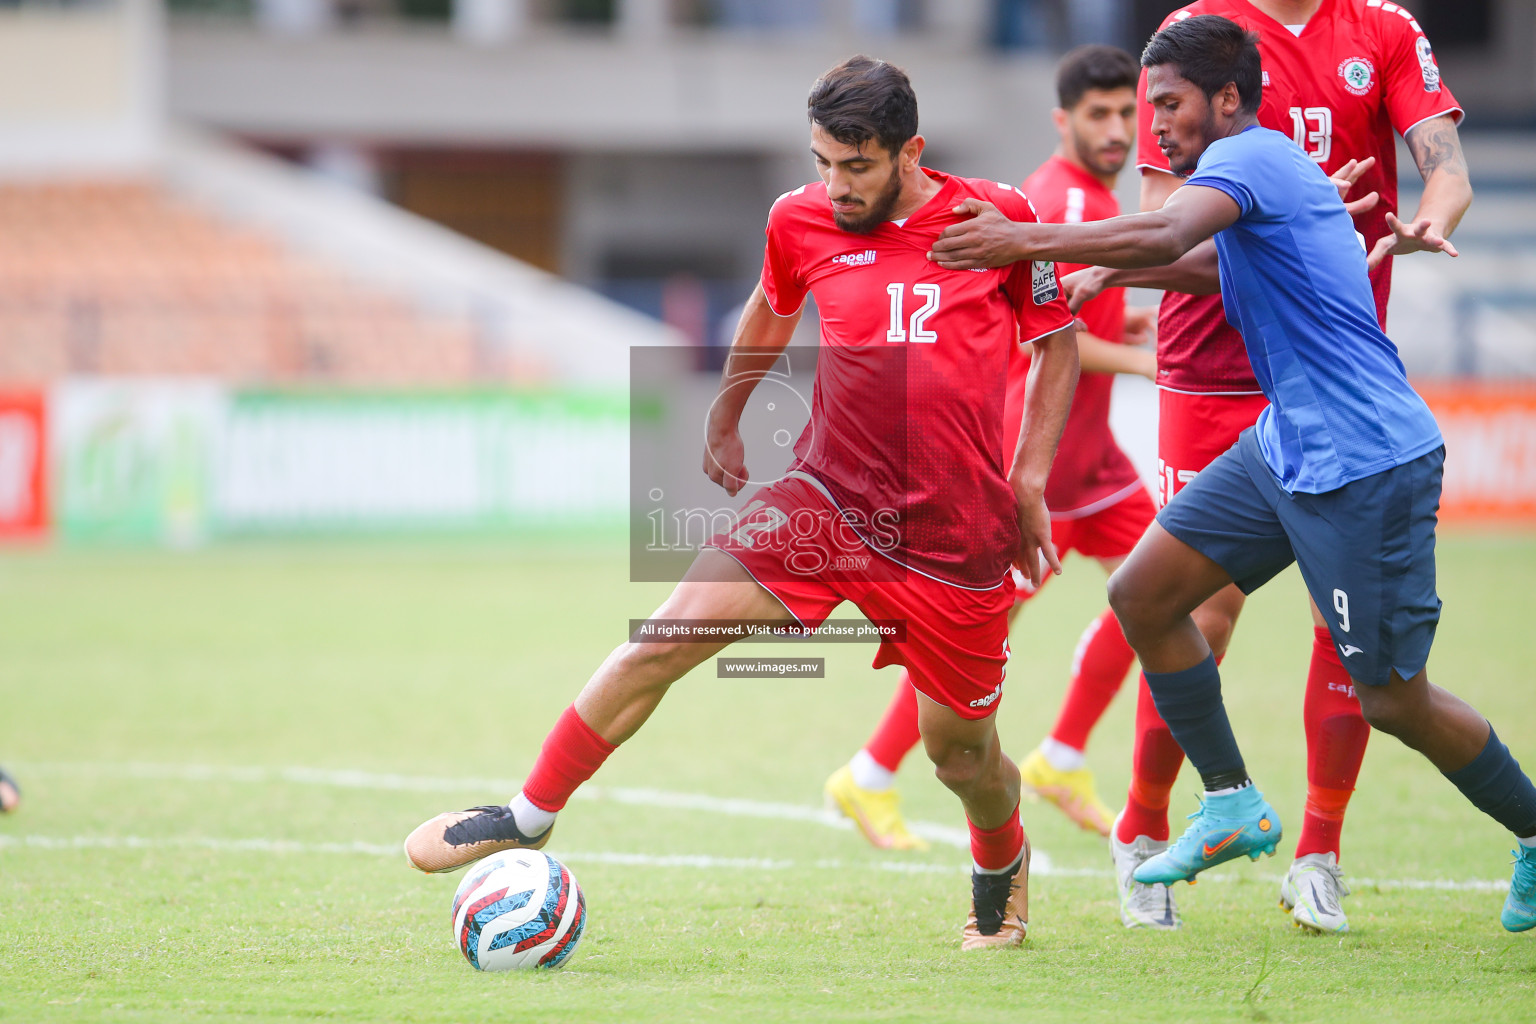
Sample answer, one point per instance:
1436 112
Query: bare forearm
761 337
1447 196
1436 149
1132 241
1195 273
1095 355
1048 396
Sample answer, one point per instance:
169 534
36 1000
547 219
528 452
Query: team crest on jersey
1358 74
1427 65
856 259
1042 282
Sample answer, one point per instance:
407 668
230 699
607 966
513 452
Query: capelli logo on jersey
856 259
989 699
1358 74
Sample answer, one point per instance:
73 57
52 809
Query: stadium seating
123 278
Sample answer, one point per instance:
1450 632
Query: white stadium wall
81 88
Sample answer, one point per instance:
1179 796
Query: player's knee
957 767
1385 718
658 664
1387 709
1131 600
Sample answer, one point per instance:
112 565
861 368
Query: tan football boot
456 838
998 917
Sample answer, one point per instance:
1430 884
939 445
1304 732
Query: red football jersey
1090 468
906 428
1360 70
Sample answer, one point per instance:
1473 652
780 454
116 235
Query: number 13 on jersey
913 330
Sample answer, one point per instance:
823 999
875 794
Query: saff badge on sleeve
1042 282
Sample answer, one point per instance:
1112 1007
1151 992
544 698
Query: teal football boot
1225 827
1520 905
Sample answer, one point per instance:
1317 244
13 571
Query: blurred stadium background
287 266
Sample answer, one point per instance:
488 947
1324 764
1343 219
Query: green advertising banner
180 462
400 462
132 460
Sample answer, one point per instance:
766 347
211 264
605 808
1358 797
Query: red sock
1336 737
1155 765
1098 668
998 848
572 753
897 732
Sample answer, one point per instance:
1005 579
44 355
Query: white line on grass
1040 864
686 860
947 835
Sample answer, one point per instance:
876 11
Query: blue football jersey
1294 283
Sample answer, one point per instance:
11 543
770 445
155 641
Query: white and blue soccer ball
518 910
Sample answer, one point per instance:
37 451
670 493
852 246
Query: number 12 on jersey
914 331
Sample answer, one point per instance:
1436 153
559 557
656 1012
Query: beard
877 213
1186 165
1108 167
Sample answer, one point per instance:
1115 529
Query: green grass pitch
221 750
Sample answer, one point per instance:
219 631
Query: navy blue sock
1497 787
1190 702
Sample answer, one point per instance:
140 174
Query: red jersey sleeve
1032 285
1411 82
783 283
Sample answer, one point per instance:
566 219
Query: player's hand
1344 179
1365 204
725 458
986 240
1140 326
1083 286
1418 236
1035 540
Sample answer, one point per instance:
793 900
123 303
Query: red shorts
798 547
1192 429
1109 532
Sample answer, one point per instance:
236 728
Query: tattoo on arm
1435 145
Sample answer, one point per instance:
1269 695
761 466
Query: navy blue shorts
1365 550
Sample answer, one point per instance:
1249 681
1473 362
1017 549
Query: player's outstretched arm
1436 148
1157 238
761 337
1197 272
1047 397
1095 355
1194 273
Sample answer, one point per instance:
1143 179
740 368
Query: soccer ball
516 910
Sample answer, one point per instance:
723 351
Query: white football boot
1141 905
1313 893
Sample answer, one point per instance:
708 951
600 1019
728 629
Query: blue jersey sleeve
1245 168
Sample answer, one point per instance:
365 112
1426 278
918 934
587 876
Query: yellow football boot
877 814
1072 791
